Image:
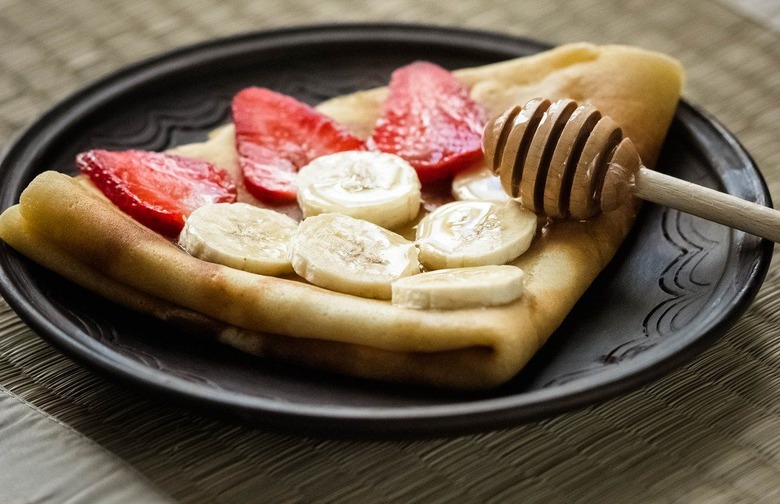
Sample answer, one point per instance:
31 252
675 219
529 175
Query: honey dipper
568 161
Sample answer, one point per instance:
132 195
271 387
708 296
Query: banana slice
373 186
353 256
241 236
474 233
478 184
459 288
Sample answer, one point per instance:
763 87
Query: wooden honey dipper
568 161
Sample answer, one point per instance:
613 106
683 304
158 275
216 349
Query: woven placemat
708 432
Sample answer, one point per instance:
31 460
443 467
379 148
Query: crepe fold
63 225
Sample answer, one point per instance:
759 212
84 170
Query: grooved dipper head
561 159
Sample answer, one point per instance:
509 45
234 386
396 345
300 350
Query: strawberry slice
430 120
158 190
276 135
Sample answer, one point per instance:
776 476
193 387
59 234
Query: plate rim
453 418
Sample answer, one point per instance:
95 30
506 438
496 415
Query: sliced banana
241 236
350 255
373 186
459 288
474 233
478 184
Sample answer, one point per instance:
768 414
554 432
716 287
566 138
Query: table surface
708 432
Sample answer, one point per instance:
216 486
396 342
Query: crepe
63 225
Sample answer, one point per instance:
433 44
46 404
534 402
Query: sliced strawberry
430 120
276 135
158 190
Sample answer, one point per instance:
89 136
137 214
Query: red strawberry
158 190
276 135
430 120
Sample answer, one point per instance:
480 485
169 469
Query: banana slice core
372 186
241 236
445 289
474 233
353 256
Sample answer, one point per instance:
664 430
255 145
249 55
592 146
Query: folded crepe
63 224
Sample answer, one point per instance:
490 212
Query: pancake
62 224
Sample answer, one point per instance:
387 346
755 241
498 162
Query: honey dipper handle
707 203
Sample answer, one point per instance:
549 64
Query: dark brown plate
675 286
